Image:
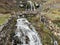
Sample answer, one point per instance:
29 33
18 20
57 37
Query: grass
45 34
53 14
57 23
2 10
55 11
3 18
42 30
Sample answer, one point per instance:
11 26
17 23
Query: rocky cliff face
7 2
7 5
6 33
58 1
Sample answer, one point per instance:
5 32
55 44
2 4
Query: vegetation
43 31
4 18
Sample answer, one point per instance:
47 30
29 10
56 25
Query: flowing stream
26 33
55 42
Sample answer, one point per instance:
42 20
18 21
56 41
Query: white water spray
55 42
26 33
32 5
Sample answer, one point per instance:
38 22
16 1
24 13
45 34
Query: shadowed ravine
26 33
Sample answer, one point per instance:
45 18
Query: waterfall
26 33
55 42
32 5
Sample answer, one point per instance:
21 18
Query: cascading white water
26 33
32 5
55 42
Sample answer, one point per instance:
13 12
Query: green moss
3 18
